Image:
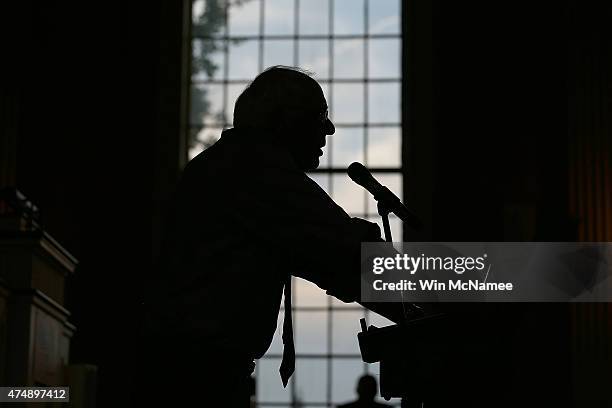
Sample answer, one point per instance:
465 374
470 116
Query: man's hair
276 97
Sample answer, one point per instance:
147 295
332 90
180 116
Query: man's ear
288 123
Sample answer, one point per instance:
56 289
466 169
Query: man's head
367 388
288 106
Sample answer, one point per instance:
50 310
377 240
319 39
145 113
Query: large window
353 49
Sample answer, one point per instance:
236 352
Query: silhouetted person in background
367 389
245 218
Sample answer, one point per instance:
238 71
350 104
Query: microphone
362 176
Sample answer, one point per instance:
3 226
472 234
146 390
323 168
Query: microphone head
358 173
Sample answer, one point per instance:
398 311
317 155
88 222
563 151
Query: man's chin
314 164
310 164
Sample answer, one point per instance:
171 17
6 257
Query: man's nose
330 129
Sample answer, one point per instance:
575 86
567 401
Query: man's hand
369 231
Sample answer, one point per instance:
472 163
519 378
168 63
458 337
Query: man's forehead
310 95
317 99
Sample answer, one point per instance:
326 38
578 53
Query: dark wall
507 139
500 110
590 132
486 113
500 121
81 109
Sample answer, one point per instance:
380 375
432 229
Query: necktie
287 366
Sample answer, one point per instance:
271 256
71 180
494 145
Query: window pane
207 59
314 57
208 18
278 17
345 326
348 195
243 59
201 138
311 379
206 136
384 16
396 228
310 332
276 347
378 321
384 103
206 104
233 92
348 17
338 304
345 374
347 146
347 104
194 150
348 58
244 18
314 17
384 147
322 180
384 58
278 52
269 386
325 88
308 294
197 9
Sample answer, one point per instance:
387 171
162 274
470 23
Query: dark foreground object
504 356
174 373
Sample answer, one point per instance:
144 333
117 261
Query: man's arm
316 238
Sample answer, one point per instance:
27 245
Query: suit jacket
244 218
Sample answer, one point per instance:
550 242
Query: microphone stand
384 211
410 309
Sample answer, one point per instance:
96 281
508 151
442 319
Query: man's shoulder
231 154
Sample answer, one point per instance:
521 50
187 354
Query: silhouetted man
246 217
366 390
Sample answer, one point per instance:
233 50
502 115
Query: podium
35 331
